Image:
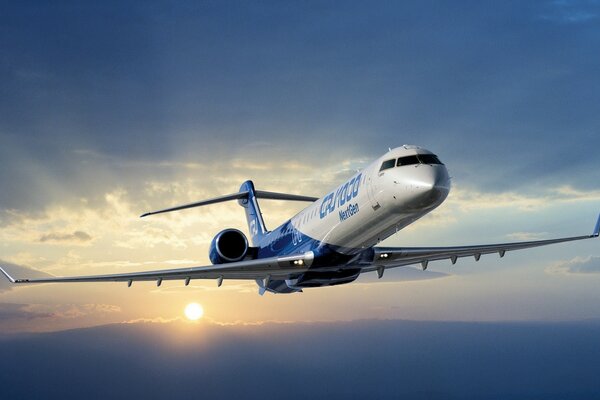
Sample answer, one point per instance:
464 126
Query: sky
112 109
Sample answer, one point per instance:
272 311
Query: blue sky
112 109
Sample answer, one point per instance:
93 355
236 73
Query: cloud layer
578 265
361 359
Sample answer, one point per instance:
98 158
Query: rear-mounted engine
229 245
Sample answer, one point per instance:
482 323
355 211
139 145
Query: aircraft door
372 192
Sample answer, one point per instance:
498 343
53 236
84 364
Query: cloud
156 320
577 266
10 312
72 238
470 198
131 110
48 317
572 11
526 236
72 311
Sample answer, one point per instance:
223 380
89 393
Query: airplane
334 239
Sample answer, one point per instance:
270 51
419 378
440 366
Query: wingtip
10 278
597 228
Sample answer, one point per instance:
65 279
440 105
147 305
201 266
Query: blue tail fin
256 225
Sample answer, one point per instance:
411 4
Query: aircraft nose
429 185
431 177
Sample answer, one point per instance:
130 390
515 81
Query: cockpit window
387 165
429 159
408 160
418 159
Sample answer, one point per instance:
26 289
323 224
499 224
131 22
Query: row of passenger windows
410 160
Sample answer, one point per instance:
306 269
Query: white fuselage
374 204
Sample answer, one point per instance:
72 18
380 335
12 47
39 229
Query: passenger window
408 160
387 165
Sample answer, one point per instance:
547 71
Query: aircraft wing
265 268
390 257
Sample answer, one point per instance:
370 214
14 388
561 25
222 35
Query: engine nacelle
229 245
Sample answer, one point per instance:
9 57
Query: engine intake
229 245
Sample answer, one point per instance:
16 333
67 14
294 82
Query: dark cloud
363 359
77 236
501 88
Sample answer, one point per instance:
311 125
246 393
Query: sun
194 311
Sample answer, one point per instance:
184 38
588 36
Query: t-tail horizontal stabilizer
261 194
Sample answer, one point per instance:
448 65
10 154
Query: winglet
10 278
597 228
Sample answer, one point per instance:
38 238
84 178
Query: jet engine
229 245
